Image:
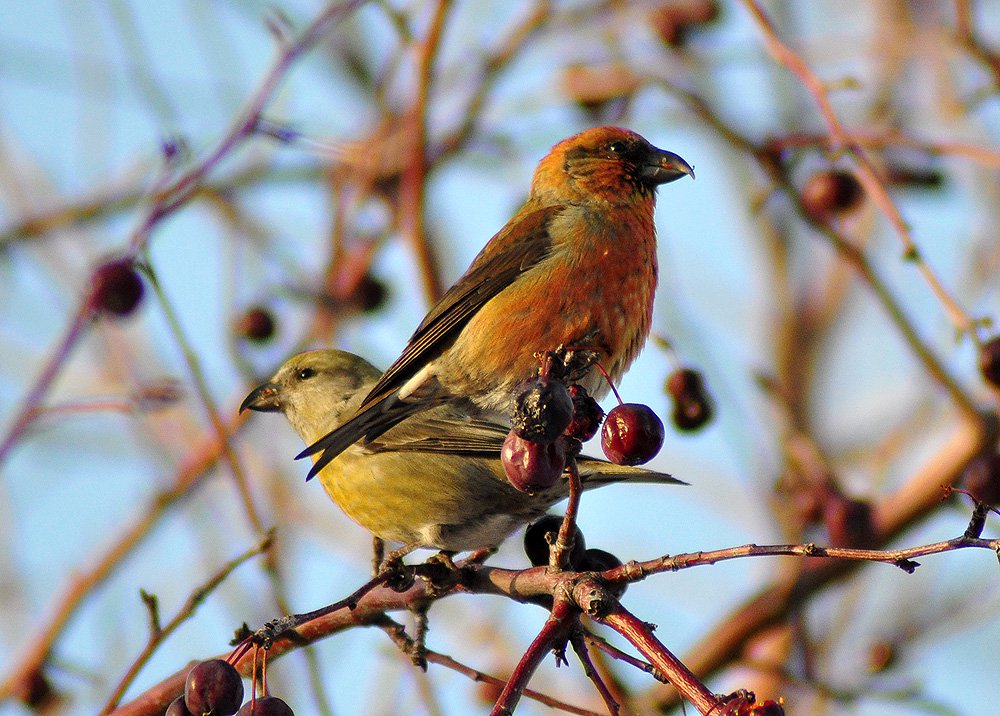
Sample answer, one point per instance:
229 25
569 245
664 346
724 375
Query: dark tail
375 419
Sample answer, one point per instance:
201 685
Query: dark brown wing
515 249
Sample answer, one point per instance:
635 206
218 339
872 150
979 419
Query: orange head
607 163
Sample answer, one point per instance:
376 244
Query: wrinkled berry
530 465
543 410
587 415
632 434
536 543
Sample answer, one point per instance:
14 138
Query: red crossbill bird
434 480
575 267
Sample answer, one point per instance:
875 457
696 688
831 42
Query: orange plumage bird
575 267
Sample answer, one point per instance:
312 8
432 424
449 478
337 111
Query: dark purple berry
116 288
543 410
177 707
587 415
831 193
265 706
370 293
256 324
542 533
532 466
982 478
213 688
989 360
848 521
632 434
692 403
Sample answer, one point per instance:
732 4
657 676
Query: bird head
610 163
315 390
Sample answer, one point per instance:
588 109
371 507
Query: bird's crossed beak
263 398
663 167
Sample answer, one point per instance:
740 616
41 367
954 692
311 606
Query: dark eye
617 147
306 373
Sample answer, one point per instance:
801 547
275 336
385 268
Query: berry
770 707
848 522
370 293
587 415
213 688
632 434
673 21
532 466
692 403
256 324
265 706
989 360
542 533
116 288
982 478
177 707
831 193
543 410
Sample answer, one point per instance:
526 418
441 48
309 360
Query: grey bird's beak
263 398
663 167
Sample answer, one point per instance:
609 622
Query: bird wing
471 438
520 245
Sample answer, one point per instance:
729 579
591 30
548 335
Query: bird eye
617 147
306 373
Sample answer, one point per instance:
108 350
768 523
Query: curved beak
663 167
264 398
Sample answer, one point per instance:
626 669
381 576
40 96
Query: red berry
256 324
769 707
632 434
532 466
989 360
116 288
177 707
692 403
831 193
213 688
543 410
542 533
587 415
265 706
982 478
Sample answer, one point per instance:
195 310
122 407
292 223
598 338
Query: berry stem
610 382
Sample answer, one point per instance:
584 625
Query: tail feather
369 423
597 473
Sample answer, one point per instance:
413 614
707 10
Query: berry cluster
215 688
551 420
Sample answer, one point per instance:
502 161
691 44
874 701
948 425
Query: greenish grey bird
433 480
